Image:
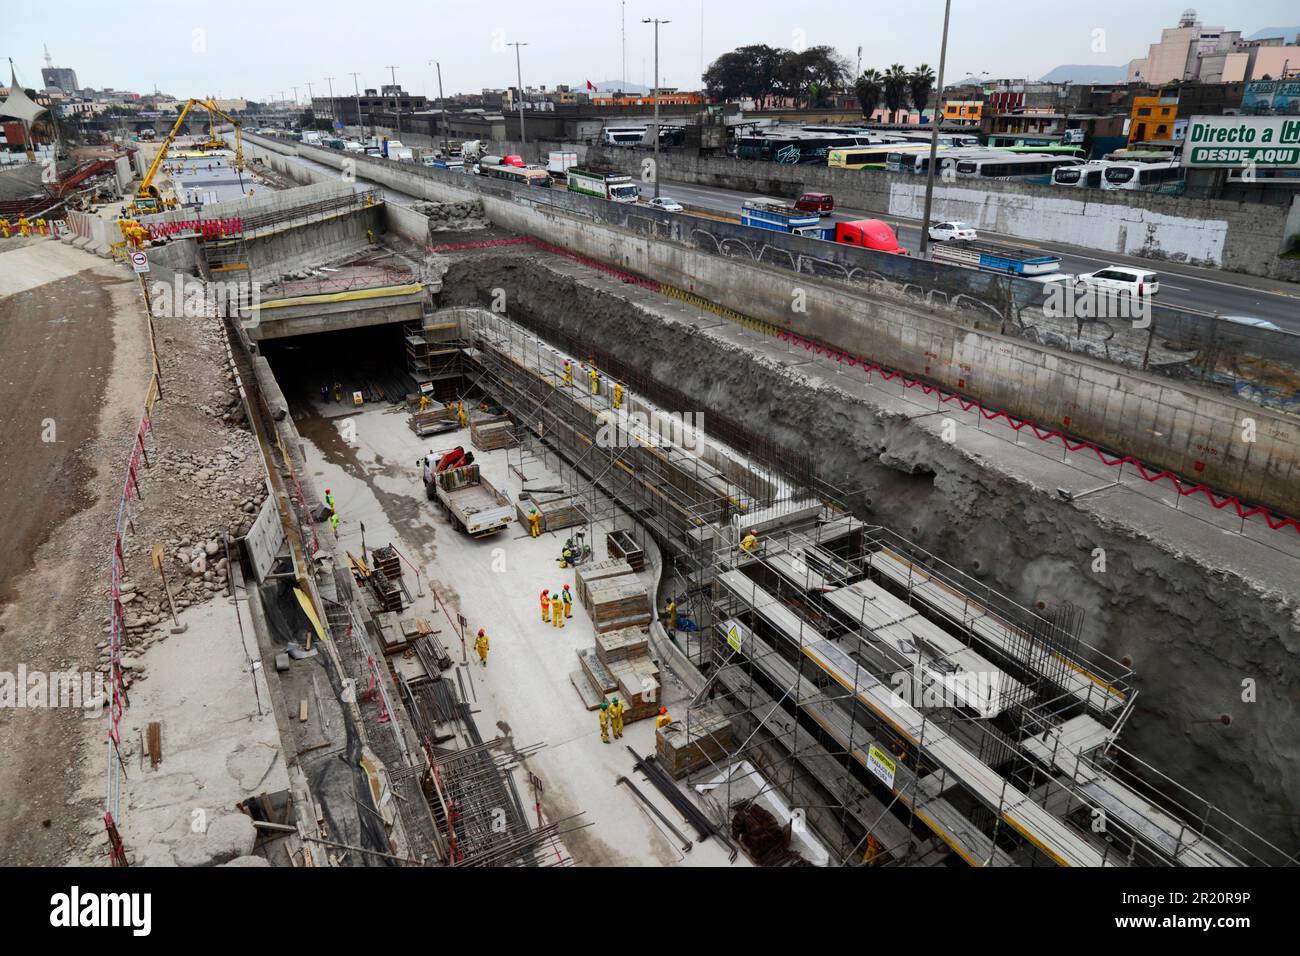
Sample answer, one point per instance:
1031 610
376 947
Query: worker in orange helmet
568 373
481 645
662 719
568 601
616 708
546 605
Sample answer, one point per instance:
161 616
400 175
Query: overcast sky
255 49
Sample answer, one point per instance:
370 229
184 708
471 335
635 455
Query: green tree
868 88
811 75
748 71
895 84
920 82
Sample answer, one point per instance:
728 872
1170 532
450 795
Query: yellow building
1152 118
963 111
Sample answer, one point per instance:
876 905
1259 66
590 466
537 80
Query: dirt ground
73 343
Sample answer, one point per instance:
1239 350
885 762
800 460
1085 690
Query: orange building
666 98
1152 118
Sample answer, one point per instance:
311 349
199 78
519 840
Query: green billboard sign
1271 142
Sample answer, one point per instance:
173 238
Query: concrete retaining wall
923 332
1239 237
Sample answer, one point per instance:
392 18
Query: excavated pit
1196 635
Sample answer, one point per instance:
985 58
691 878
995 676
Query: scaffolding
908 709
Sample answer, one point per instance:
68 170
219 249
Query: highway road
1209 291
1193 289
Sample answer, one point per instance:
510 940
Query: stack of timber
620 666
623 643
621 544
385 559
685 745
432 421
586 574
557 510
619 602
388 594
489 432
638 686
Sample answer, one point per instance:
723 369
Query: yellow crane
147 197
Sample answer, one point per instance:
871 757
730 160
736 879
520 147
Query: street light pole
656 22
397 113
333 117
934 135
442 106
357 90
519 80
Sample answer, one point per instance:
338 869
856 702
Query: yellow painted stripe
379 293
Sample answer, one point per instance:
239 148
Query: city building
1152 118
963 111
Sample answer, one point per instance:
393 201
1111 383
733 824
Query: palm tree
895 81
920 82
868 89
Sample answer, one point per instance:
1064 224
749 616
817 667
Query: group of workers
593 375
24 227
556 608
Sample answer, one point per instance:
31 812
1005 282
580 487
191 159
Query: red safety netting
208 228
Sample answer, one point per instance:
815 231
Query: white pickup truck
473 505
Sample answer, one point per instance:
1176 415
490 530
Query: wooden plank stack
638 686
385 559
623 643
621 544
681 749
489 432
585 574
558 510
619 602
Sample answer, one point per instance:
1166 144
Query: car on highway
1138 283
666 204
953 231
821 203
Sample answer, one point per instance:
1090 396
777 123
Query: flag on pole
592 86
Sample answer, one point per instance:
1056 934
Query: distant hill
609 86
1286 33
1087 73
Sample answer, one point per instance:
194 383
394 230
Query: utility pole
357 90
312 100
296 101
519 79
442 106
656 22
622 25
396 110
934 135
333 117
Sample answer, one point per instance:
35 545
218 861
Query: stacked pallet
586 574
686 745
558 511
616 603
638 686
385 559
622 644
489 432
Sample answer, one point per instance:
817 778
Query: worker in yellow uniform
24 227
557 612
604 722
534 523
750 541
546 605
616 708
568 601
4 232
568 373
662 719
872 851
481 645
618 395
670 615
595 377
424 403
460 414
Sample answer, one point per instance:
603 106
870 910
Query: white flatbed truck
472 503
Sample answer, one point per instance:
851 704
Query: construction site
415 521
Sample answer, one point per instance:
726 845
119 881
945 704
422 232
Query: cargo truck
472 503
1015 262
611 186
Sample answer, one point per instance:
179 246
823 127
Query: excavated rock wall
1192 633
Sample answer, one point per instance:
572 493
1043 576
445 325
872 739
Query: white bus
1087 176
1028 167
623 135
1146 177
912 162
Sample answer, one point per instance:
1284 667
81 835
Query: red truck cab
821 203
869 234
514 161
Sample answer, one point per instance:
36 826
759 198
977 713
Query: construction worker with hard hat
546 605
534 523
616 708
557 611
618 395
604 722
568 601
461 417
750 541
595 377
670 615
568 373
662 719
481 645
